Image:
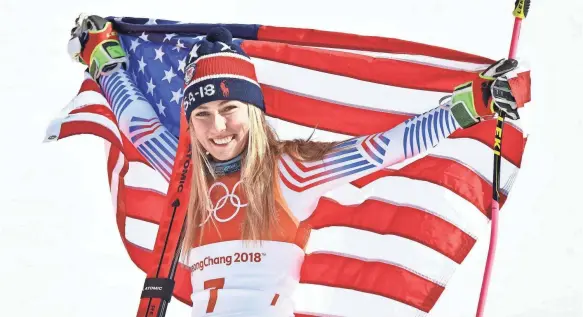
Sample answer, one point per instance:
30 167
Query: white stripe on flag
95 118
87 98
418 59
141 233
83 99
114 186
473 157
332 301
390 249
422 195
288 131
140 175
345 90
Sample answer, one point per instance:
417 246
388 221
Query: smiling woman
251 194
249 186
222 127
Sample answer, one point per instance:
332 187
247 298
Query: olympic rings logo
228 197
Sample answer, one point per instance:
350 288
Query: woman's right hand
96 44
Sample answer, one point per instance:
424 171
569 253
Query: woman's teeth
223 140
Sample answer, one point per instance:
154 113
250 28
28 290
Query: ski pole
159 283
521 8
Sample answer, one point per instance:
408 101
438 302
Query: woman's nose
220 123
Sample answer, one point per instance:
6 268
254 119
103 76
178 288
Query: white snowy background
60 251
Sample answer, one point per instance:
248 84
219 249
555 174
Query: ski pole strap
158 288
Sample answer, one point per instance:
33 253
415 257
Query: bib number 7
214 284
218 283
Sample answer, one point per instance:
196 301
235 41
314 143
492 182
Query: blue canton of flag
146 98
157 62
158 71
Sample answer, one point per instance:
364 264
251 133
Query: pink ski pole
520 11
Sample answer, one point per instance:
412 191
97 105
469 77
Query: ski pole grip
521 8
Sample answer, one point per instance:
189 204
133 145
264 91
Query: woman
250 192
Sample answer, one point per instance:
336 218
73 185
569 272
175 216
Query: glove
502 88
96 44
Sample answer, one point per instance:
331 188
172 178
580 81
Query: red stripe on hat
224 65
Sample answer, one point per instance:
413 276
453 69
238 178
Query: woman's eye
202 114
229 108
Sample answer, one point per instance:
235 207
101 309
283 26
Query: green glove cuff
106 57
463 108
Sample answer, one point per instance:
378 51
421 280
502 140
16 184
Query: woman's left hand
502 88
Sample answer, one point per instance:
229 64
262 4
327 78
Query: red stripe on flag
143 258
225 65
403 221
513 143
349 120
111 163
446 173
71 128
97 109
144 204
376 70
396 283
346 119
183 286
129 150
341 40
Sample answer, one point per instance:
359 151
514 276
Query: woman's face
222 127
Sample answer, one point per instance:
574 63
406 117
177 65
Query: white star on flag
151 87
151 22
161 108
159 53
193 52
135 44
142 65
176 95
169 37
169 74
225 47
178 46
144 37
182 64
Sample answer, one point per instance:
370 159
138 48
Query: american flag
389 241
